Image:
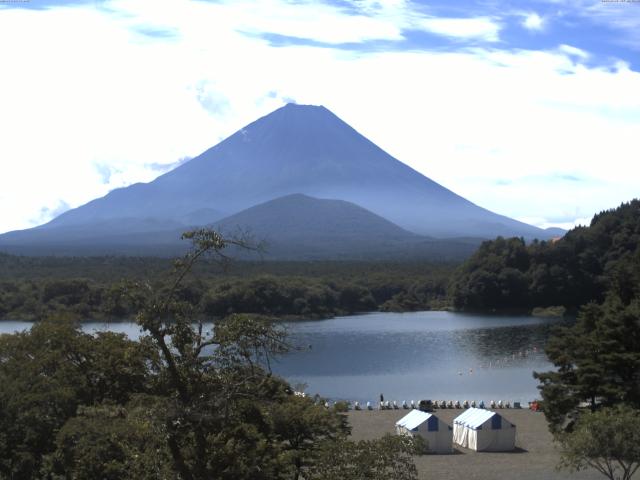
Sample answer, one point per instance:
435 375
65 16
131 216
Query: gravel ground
535 457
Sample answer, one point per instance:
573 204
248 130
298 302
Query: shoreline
538 312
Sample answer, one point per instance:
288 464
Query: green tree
388 458
222 411
597 360
494 277
110 442
190 400
607 440
46 374
301 425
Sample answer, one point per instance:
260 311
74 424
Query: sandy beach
535 457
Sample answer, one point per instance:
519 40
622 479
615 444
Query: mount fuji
297 152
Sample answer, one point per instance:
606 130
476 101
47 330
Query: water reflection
420 355
437 355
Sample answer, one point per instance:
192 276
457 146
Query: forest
187 401
505 274
591 399
95 287
194 402
581 267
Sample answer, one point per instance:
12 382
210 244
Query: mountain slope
298 226
294 227
301 149
307 219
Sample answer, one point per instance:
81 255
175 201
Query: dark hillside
572 271
299 227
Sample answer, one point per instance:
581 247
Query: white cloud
533 21
481 28
306 20
83 88
574 51
405 16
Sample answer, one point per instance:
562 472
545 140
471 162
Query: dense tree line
598 357
592 398
108 269
301 296
85 406
594 271
597 361
572 271
80 406
186 401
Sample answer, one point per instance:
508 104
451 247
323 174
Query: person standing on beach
381 398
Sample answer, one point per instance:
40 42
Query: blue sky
530 109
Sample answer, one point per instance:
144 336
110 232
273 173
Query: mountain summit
296 149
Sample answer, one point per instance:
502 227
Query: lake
405 356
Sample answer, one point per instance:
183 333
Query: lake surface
405 356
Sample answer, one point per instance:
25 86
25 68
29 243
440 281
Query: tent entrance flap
496 422
432 424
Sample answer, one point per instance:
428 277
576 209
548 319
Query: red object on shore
534 406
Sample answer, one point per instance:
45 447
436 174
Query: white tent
439 435
484 431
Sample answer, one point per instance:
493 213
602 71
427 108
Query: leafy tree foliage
47 373
299 424
597 360
187 401
387 458
595 269
110 442
607 440
575 270
307 296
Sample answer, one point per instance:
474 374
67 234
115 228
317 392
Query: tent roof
474 417
413 419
